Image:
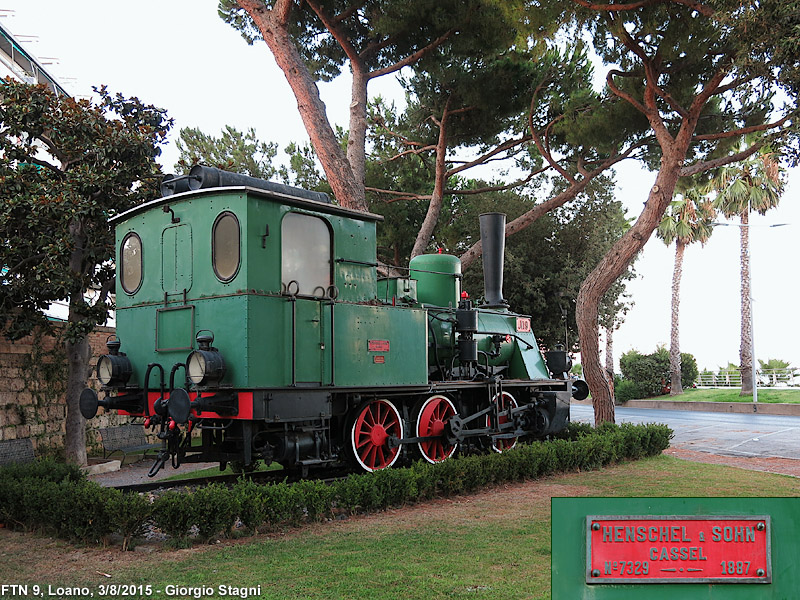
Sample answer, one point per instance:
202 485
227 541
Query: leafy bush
216 508
252 511
45 469
689 371
627 390
174 514
82 511
650 373
131 513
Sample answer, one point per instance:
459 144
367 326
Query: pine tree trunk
607 271
357 136
746 358
435 207
676 389
274 27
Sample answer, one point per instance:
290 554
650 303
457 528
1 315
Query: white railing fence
778 378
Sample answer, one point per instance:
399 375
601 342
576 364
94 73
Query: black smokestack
493 240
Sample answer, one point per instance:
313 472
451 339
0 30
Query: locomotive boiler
252 326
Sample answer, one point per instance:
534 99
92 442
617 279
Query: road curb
723 407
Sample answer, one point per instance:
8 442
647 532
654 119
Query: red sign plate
378 345
678 549
523 325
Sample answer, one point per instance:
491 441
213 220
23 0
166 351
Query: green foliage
689 371
383 32
174 515
233 151
67 166
82 511
648 374
217 508
45 469
252 510
628 390
688 220
774 364
131 512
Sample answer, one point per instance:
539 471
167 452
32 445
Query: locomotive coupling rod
395 441
477 415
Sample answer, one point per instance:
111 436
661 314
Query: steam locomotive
251 313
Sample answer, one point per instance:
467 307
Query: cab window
131 263
225 246
306 255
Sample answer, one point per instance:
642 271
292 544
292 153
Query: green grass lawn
791 396
494 544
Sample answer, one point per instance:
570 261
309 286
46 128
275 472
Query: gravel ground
136 472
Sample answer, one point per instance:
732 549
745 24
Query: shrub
174 513
689 372
82 511
130 515
252 511
45 469
627 390
650 373
215 510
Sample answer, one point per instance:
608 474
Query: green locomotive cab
252 312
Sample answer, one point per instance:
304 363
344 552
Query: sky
179 55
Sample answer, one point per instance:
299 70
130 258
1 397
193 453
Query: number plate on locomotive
678 549
523 325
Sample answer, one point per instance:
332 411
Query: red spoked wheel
503 403
431 419
374 424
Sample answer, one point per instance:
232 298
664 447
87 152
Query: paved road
718 433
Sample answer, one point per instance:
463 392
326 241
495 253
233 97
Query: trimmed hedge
58 499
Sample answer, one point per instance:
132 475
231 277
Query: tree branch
401 195
22 263
411 59
507 145
704 10
699 167
332 25
742 131
415 151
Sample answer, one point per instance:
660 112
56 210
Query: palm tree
686 221
753 185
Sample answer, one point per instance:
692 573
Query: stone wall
32 382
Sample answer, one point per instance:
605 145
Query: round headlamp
206 365
114 369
